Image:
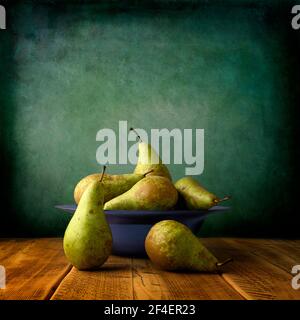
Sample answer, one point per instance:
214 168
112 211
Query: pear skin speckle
149 160
194 195
114 185
151 193
172 246
88 239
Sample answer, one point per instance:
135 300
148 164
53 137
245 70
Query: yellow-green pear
148 160
172 246
195 196
114 185
88 239
150 193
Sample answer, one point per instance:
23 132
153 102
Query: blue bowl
130 228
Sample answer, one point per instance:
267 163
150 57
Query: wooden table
38 269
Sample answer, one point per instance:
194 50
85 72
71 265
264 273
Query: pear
151 193
88 239
148 160
172 246
114 185
83 184
195 196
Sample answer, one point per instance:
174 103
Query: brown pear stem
139 138
148 172
223 199
102 174
221 264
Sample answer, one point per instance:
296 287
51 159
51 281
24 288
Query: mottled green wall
68 71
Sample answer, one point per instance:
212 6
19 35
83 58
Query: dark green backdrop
67 71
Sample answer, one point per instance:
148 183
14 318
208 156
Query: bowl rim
70 208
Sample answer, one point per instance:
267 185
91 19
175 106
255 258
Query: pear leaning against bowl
88 239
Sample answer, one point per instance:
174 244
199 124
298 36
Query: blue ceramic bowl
130 228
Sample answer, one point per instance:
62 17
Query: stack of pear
172 246
114 185
153 192
196 196
149 187
88 239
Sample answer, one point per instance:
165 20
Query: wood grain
123 278
152 283
34 268
37 269
112 282
253 276
281 253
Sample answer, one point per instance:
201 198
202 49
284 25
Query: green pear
195 196
114 185
172 246
150 193
148 160
88 239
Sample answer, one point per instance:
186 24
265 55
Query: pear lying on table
194 196
114 185
148 160
151 193
172 246
88 239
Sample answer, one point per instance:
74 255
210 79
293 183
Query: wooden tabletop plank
123 278
152 283
281 253
37 269
112 282
251 275
34 268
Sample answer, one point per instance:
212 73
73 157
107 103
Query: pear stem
223 199
220 264
145 174
102 174
139 138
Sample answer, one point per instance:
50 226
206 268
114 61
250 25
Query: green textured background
67 71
